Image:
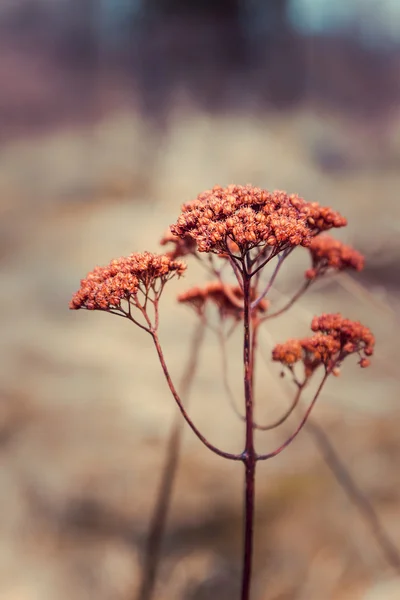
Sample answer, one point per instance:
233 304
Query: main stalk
249 455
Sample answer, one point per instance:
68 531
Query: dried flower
328 253
288 353
252 217
123 278
335 338
228 298
353 336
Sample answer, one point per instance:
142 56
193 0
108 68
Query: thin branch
300 426
231 398
285 415
160 512
178 400
270 283
236 270
266 261
148 330
225 375
289 304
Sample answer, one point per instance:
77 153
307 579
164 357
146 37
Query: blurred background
112 114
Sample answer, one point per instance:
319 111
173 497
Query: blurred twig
158 521
351 488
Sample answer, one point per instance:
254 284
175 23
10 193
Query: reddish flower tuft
228 298
353 336
335 338
288 353
105 287
252 217
328 253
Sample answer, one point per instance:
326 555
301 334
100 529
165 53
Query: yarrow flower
335 338
353 336
228 298
252 217
105 287
328 253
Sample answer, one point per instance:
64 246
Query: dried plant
235 232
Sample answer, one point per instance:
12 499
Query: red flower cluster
353 336
335 338
252 217
228 299
105 287
328 253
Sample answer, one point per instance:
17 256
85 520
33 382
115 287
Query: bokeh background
112 114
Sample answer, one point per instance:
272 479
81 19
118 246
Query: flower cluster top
252 217
335 338
105 287
328 253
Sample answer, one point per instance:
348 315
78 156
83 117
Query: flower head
334 339
252 217
228 298
352 335
122 279
328 253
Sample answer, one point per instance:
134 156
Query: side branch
231 398
285 415
175 394
289 304
152 553
301 425
271 282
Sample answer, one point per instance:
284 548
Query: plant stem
249 455
160 513
185 415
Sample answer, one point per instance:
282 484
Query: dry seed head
105 287
252 217
335 338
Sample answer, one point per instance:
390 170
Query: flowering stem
249 454
181 407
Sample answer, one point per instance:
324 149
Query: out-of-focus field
85 413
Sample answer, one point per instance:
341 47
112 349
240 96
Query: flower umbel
334 339
105 287
252 217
